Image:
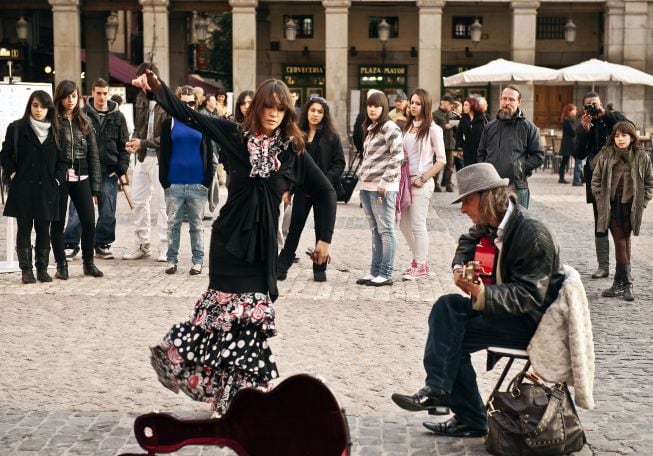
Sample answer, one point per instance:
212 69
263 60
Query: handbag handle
555 402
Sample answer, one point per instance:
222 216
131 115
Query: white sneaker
142 251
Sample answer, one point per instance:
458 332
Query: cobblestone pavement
74 369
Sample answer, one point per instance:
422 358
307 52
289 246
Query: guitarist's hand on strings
468 286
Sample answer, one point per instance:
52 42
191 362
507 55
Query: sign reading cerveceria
379 70
304 69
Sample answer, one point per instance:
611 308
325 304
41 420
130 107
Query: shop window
304 25
550 28
460 26
373 29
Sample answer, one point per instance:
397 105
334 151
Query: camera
591 110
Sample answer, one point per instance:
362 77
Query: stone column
634 52
244 44
429 55
156 35
336 47
67 40
524 23
613 45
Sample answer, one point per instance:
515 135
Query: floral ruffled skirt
222 349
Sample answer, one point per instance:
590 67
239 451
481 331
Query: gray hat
400 96
478 178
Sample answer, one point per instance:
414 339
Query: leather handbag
532 419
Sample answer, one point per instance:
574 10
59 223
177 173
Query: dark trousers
448 169
455 331
564 162
80 194
105 229
24 233
301 207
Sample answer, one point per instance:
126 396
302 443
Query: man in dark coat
111 135
443 116
595 126
511 143
503 312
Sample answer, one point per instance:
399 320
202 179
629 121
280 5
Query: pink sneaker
418 272
413 265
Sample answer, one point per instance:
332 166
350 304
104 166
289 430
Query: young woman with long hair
325 148
243 102
379 184
224 348
423 140
622 184
83 178
36 166
470 128
568 143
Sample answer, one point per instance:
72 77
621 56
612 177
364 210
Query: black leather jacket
531 272
81 152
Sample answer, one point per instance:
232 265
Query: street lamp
383 30
476 31
111 27
201 28
291 29
570 32
22 29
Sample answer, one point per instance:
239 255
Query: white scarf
41 128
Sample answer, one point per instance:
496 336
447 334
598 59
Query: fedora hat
478 178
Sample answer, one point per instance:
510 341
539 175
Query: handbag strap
555 402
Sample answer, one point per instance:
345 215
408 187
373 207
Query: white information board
13 100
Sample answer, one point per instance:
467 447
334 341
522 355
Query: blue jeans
381 218
186 199
578 166
455 331
523 196
105 228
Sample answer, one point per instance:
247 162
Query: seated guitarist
503 311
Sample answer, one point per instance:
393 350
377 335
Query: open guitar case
300 416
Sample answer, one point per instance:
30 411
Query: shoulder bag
532 419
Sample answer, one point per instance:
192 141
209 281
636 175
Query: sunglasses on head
318 98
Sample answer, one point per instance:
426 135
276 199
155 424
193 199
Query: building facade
336 52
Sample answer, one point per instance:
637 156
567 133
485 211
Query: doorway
549 101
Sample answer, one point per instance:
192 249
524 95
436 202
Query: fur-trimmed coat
562 348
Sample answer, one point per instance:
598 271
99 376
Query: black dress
224 348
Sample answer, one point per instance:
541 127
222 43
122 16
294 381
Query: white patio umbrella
501 71
597 71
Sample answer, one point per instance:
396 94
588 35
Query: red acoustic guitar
481 269
299 417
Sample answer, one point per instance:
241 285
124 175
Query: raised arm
220 130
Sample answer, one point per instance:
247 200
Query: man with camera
511 143
501 310
595 126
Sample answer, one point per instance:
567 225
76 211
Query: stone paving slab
74 369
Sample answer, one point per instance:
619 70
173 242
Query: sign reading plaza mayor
382 70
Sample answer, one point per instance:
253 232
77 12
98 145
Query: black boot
62 270
91 269
42 257
617 288
25 264
628 284
602 245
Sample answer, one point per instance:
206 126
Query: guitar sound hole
148 432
